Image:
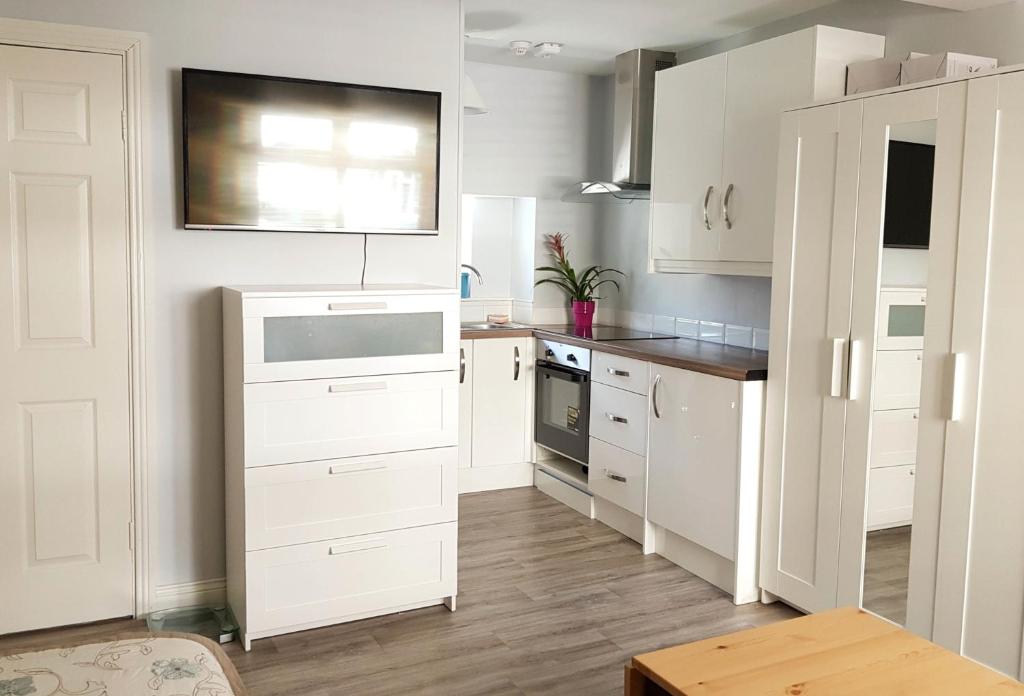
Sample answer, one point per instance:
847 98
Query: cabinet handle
342 468
707 199
618 373
725 207
515 365
852 389
353 306
365 386
615 419
462 365
956 399
838 358
615 477
654 396
371 545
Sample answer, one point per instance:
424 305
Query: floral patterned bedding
141 665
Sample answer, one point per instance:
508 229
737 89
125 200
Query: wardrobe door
812 275
909 195
980 588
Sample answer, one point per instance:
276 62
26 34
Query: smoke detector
546 49
520 48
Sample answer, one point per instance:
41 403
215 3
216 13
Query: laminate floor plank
549 603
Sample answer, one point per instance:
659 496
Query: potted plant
580 287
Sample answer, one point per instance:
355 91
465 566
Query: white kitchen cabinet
465 404
703 475
715 148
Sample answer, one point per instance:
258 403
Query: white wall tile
761 337
665 325
742 336
689 328
713 331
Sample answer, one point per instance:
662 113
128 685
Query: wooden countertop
742 364
836 653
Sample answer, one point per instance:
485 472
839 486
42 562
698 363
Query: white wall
543 133
406 43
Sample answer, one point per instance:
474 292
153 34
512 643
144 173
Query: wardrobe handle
707 200
725 207
838 360
956 401
852 392
515 368
654 396
462 365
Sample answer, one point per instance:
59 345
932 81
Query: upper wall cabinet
716 135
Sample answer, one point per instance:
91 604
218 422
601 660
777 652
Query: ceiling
595 31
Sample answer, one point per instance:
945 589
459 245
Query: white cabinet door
501 378
806 407
890 497
761 84
693 458
465 404
686 166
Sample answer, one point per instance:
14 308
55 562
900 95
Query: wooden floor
886 572
549 603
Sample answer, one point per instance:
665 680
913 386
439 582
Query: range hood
632 126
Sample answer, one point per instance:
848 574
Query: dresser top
351 289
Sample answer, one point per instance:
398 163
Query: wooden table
836 653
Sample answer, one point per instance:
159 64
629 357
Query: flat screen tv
280 154
908 195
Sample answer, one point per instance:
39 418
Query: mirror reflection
902 303
498 240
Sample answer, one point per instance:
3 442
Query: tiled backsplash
704 330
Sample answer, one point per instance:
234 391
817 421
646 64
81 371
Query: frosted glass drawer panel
290 339
349 417
313 501
901 319
336 579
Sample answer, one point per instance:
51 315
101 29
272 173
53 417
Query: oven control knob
549 353
571 358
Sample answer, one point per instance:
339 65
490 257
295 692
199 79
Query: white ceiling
595 31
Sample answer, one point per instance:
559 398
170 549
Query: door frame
130 46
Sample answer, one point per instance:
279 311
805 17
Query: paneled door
65 439
811 305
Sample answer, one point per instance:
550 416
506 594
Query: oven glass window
559 405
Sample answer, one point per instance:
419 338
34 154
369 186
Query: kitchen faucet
479 278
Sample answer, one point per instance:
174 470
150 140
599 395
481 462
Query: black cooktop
610 333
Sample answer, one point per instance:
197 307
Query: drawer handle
615 419
365 386
615 477
356 548
355 306
618 373
342 468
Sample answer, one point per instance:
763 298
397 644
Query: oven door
562 416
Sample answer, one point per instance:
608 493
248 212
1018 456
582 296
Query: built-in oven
562 413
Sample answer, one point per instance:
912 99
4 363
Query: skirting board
705 564
622 521
493 478
579 501
189 594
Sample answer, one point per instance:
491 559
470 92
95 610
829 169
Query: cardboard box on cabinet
939 65
881 73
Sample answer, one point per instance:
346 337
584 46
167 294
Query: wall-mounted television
281 154
908 195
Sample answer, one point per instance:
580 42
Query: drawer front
890 497
624 373
315 337
313 501
897 379
307 583
894 437
619 418
617 476
289 422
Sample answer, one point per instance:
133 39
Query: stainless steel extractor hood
632 126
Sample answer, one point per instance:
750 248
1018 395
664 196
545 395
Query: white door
500 383
65 447
980 587
806 407
686 166
934 117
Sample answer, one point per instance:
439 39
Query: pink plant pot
583 314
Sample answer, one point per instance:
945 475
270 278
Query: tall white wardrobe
961 583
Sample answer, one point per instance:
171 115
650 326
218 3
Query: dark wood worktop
731 362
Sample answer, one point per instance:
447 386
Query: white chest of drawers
341 427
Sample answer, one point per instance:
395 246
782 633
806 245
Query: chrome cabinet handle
654 396
371 545
707 200
343 468
515 368
462 365
615 419
725 207
615 477
618 373
353 306
364 386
